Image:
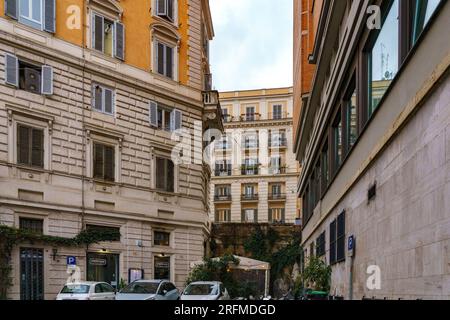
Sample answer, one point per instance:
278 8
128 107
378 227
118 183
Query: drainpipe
83 150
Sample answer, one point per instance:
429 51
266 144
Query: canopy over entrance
247 264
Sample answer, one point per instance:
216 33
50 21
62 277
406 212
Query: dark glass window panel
161 238
383 58
423 10
32 225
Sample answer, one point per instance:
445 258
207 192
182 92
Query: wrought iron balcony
278 116
277 196
277 170
250 197
277 143
222 173
222 198
249 170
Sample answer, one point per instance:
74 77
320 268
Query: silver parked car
205 290
87 290
149 290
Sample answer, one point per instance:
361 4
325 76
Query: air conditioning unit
32 80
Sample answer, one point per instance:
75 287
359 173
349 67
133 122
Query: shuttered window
165 174
108 36
337 239
164 118
165 9
104 162
30 146
102 99
320 245
28 77
164 59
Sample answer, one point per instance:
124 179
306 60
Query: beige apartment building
92 94
372 134
255 171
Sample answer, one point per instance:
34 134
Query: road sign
71 260
351 245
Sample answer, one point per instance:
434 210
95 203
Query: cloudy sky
252 47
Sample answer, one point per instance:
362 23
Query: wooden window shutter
160 58
170 176
333 242
37 148
119 40
49 16
109 101
169 62
170 9
161 9
47 80
175 119
23 145
12 70
97 32
160 173
11 8
109 163
97 94
98 161
153 111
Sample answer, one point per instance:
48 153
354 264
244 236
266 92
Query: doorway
31 274
103 268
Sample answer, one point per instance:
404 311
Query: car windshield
201 290
141 287
76 288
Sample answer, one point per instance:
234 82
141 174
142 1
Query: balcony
277 170
222 198
278 143
251 144
250 117
222 173
249 170
249 197
277 196
278 116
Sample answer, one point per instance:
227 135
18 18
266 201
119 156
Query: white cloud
253 44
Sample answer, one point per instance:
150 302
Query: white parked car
87 291
149 290
205 290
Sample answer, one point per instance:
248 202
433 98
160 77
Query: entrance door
103 268
31 274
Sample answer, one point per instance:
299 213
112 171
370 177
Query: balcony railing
280 142
251 144
222 198
277 196
277 170
249 170
250 117
278 116
222 173
249 197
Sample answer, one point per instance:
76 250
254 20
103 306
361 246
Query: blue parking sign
71 260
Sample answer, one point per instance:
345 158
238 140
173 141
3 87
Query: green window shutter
170 176
23 145
169 62
160 58
37 148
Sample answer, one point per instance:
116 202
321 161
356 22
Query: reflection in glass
337 138
383 58
423 10
351 121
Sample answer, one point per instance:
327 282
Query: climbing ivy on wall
9 237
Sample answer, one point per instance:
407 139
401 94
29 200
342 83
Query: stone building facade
92 94
255 171
373 140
